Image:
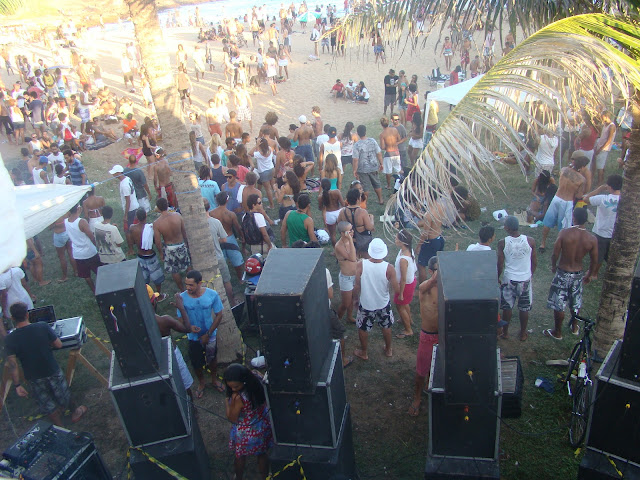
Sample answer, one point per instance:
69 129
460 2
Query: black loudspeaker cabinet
154 407
614 424
293 311
318 463
187 456
134 333
630 357
512 379
596 466
468 297
462 431
314 420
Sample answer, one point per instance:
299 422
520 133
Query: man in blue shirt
204 309
75 168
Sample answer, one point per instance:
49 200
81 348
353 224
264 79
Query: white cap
377 249
302 119
116 169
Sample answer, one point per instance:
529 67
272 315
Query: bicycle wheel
574 363
580 412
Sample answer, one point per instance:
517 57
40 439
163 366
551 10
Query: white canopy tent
28 211
453 94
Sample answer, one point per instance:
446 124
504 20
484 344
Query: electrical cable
13 428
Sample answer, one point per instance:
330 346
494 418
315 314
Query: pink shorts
409 288
425 350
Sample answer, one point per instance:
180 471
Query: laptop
43 314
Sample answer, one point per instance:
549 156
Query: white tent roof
454 93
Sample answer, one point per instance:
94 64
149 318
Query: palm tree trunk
623 253
175 136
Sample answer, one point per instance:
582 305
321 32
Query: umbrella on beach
305 16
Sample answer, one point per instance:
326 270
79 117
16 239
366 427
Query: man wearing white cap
373 277
303 135
129 202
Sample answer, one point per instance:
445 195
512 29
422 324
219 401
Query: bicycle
580 365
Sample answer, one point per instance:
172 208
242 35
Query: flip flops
547 333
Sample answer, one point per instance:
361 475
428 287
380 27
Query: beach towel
147 237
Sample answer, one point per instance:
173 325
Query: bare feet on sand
361 354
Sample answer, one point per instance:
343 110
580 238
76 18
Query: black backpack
252 234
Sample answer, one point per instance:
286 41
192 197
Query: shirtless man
166 323
213 118
162 180
231 225
147 258
233 128
345 252
474 66
431 239
169 229
389 140
584 171
571 186
92 208
303 135
244 104
572 245
268 128
428 333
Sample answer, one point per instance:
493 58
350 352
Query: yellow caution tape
91 335
290 465
156 462
615 467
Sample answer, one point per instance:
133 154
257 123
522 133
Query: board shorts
305 151
185 374
201 355
430 248
51 392
408 292
559 214
87 265
513 291
425 353
365 318
391 164
168 193
176 258
144 203
369 180
566 288
603 248
151 268
131 218
60 239
243 113
389 99
234 256
346 282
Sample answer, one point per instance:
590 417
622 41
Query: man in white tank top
516 263
373 277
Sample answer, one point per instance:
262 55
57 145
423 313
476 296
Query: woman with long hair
147 144
216 146
284 159
288 193
302 169
412 102
332 172
347 140
539 189
263 155
406 274
330 203
415 146
246 408
198 151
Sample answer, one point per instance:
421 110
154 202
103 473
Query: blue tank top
232 203
217 175
334 183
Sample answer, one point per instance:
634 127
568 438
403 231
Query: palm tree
160 75
536 85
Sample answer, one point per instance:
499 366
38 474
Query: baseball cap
377 249
302 119
44 159
231 173
159 151
350 81
116 169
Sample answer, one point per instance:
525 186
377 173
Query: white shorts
187 379
416 143
601 160
144 203
129 136
332 217
391 165
346 282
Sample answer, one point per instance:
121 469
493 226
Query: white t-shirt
127 190
107 240
478 247
54 159
260 221
365 93
10 281
546 150
605 214
324 138
263 163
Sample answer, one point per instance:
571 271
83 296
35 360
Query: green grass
388 442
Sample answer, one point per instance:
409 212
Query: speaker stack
305 383
465 388
144 381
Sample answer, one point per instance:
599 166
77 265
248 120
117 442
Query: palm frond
572 64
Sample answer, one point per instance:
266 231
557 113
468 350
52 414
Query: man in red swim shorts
428 333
